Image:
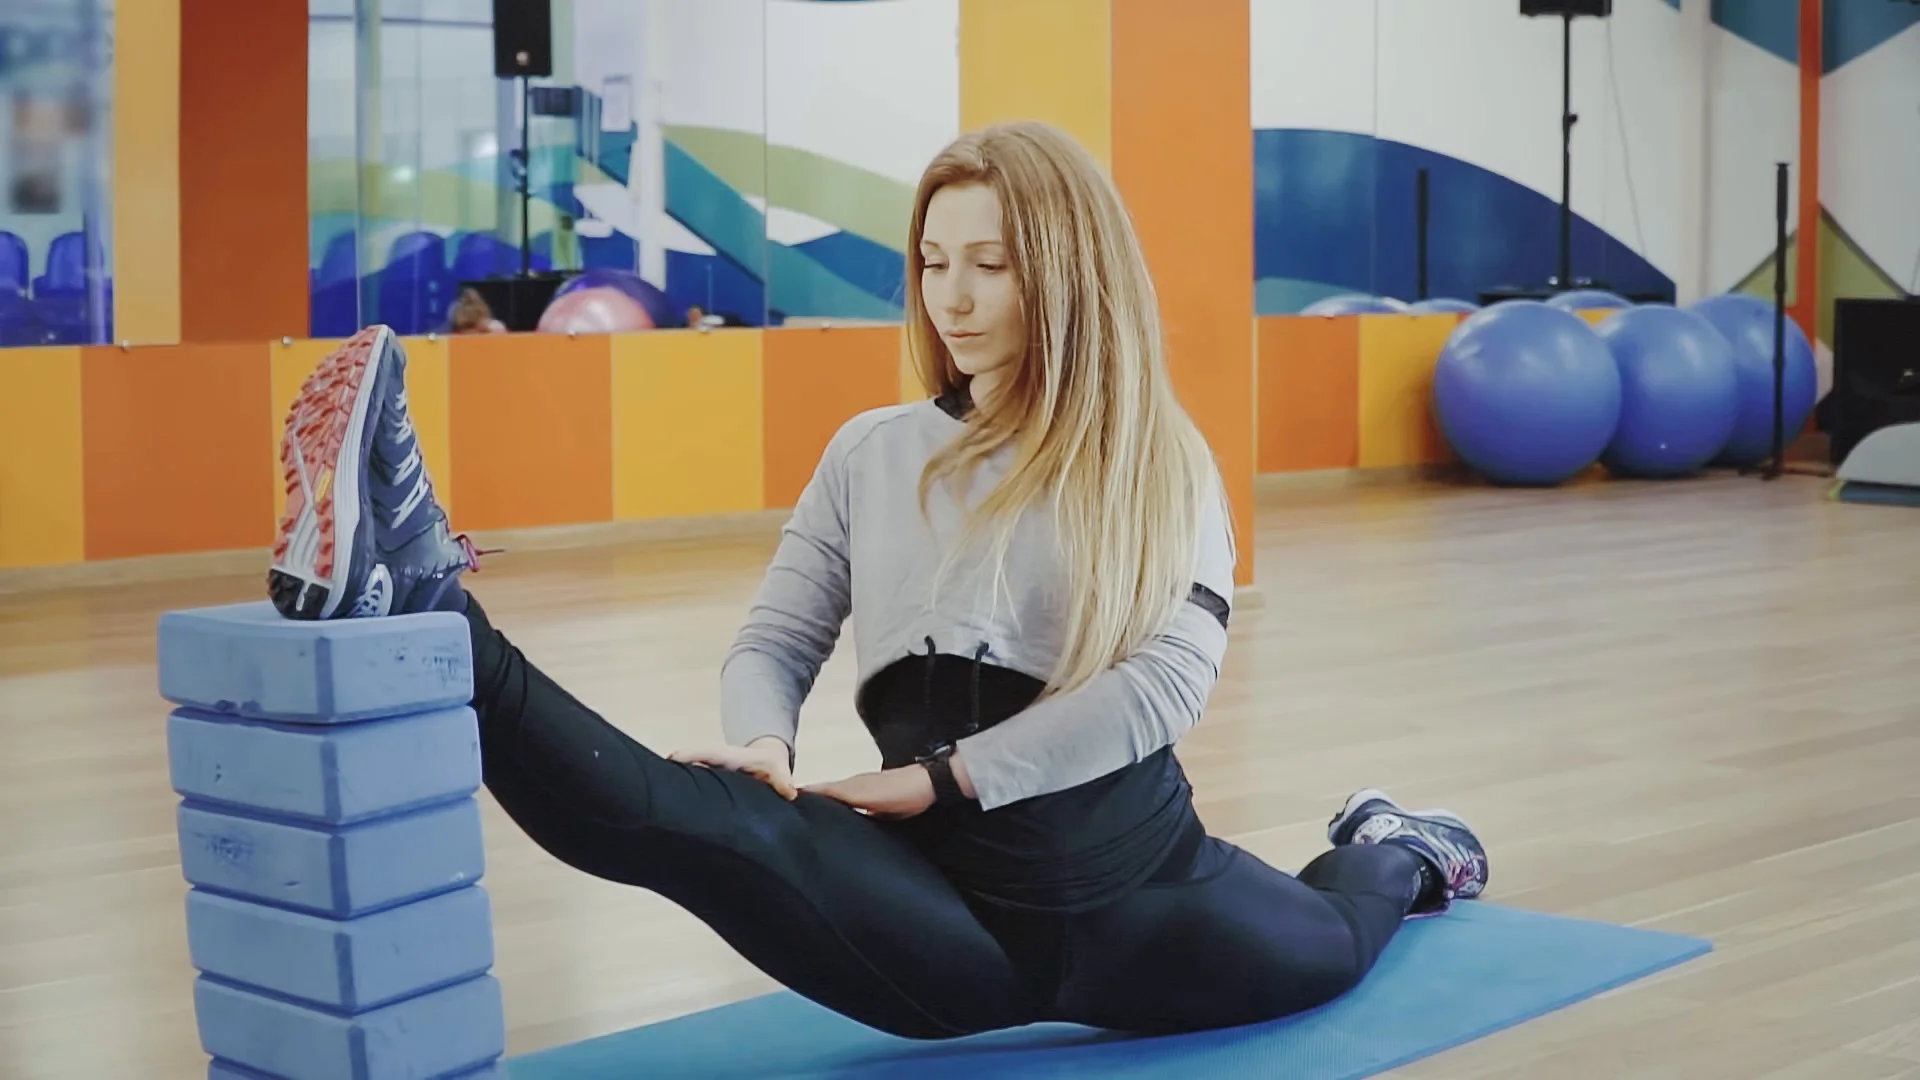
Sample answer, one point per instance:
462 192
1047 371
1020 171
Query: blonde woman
1037 568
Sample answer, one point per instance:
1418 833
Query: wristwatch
939 765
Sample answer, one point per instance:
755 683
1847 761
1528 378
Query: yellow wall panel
1397 356
687 423
42 481
1596 316
1048 60
146 172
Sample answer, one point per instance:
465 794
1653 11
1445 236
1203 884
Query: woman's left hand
890 793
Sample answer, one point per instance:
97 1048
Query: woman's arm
803 602
1126 713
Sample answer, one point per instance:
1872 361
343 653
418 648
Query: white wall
1753 122
1870 154
874 85
1679 121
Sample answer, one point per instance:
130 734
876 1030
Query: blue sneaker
1440 837
363 535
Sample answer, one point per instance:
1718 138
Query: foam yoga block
330 829
343 965
341 872
245 660
451 1030
334 774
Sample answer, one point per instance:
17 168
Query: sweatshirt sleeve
1126 713
796 618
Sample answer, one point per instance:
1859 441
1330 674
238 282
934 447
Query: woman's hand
764 758
890 793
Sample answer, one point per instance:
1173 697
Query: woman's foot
1440 837
362 535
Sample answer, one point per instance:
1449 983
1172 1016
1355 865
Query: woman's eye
936 266
992 268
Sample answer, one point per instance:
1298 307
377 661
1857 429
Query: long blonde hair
1098 434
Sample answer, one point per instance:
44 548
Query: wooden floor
1692 707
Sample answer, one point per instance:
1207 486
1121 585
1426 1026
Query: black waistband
1066 851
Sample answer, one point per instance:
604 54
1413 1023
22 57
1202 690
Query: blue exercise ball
1679 396
1526 393
1589 300
1355 304
1747 324
1442 305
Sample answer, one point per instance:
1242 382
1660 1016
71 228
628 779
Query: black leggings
838 907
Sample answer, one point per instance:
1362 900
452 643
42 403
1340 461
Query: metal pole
1566 150
526 176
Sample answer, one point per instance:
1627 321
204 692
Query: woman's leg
1229 940
822 898
1234 941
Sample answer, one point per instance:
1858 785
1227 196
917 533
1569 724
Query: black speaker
1876 371
1597 8
522 38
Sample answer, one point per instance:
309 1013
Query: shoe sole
320 457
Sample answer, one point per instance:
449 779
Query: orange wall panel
1309 393
42 482
243 170
1181 79
172 448
817 380
532 430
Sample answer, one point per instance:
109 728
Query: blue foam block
441 1034
246 660
338 871
334 774
347 965
1440 983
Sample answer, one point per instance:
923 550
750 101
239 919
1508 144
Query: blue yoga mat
1442 982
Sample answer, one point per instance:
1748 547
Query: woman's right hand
764 758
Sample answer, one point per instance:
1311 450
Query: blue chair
478 256
416 288
60 294
335 290
14 269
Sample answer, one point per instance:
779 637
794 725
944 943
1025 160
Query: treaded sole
312 553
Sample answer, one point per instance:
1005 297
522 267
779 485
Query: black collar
955 402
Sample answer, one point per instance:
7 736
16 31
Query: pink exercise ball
600 310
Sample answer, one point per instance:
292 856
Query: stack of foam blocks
331 836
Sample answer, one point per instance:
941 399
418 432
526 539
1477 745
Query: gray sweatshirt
858 545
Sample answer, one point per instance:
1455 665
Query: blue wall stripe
1335 210
1773 25
1850 29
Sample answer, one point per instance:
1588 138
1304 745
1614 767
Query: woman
1037 567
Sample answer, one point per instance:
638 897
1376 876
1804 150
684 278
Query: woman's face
968 286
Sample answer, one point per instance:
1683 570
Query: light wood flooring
1694 707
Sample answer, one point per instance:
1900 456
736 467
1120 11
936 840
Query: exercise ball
1678 393
1442 304
1589 300
1747 324
1526 393
1354 304
606 302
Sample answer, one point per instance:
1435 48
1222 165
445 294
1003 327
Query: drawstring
973 696
926 685
973 721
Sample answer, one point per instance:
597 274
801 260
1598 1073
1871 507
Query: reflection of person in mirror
471 315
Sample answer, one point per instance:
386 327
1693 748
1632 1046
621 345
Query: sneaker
1440 837
362 535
